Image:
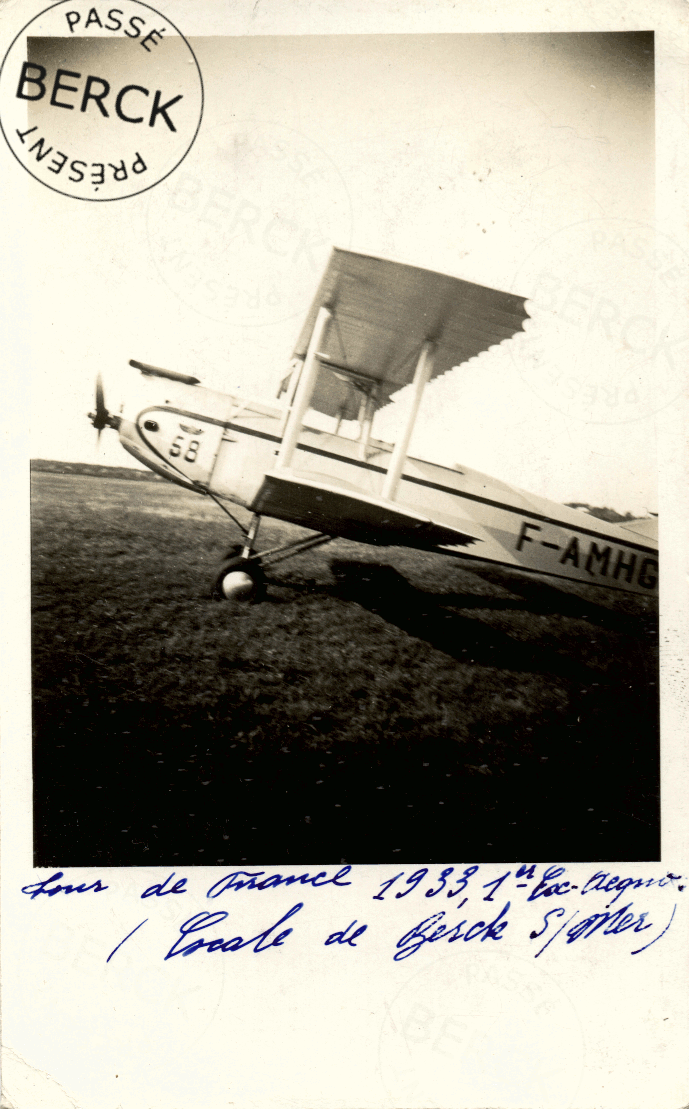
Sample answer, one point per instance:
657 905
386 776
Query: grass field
379 706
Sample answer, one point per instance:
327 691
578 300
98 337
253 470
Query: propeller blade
101 410
100 417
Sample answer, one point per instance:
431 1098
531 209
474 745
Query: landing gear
238 579
241 576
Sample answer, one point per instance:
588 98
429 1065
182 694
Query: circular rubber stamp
607 341
243 236
100 102
469 1031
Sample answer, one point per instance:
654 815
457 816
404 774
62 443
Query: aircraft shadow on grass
432 617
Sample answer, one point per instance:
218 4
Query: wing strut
367 410
302 397
292 382
422 374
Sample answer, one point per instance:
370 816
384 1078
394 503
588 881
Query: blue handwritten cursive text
417 936
610 924
254 880
237 943
35 888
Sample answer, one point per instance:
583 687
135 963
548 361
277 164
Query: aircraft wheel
239 580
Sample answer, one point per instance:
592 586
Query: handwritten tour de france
465 908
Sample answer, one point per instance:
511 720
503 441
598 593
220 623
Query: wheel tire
256 591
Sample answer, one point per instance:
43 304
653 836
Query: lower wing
352 515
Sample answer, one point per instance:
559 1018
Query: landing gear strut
241 576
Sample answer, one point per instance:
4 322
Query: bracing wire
244 531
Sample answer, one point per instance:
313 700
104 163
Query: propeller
101 417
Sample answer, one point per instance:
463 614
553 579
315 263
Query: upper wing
383 312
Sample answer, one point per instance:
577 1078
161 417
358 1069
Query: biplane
374 327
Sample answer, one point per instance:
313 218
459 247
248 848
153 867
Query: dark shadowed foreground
379 706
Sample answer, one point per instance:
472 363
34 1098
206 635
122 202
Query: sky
521 161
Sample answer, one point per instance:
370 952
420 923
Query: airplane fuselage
215 443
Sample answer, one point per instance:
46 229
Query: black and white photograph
372 570
354 382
